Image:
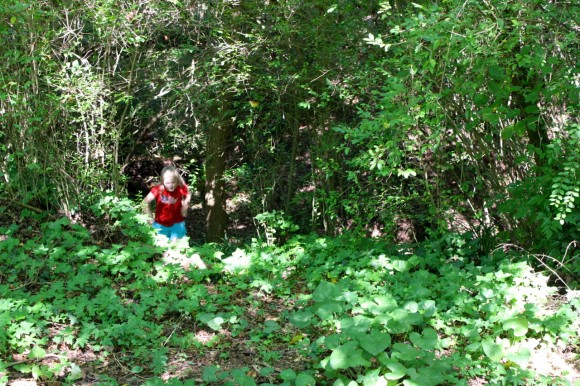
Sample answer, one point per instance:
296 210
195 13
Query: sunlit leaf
375 342
37 352
494 350
518 325
426 341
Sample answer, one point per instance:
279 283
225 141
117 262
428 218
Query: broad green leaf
37 353
271 326
372 378
508 132
288 374
411 306
339 359
214 322
326 291
242 379
425 376
355 326
375 342
429 307
347 355
344 382
75 373
401 265
406 352
301 319
305 379
520 357
518 325
137 369
493 350
426 341
397 370
380 304
327 310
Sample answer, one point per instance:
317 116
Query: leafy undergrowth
326 311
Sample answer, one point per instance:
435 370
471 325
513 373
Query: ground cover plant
348 310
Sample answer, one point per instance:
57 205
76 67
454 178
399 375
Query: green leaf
326 291
397 370
344 382
497 72
354 326
508 132
427 341
305 379
347 355
493 350
518 325
75 373
137 369
372 378
210 374
242 379
327 310
339 359
301 319
520 357
37 353
406 352
288 374
375 342
214 322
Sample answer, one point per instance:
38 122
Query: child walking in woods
172 199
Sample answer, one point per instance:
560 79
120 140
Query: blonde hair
172 170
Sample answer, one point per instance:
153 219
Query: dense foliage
343 311
447 132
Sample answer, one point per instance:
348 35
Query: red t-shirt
168 204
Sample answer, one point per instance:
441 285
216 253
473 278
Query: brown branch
35 209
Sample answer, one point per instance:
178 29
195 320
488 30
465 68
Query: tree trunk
215 195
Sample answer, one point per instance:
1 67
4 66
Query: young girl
172 199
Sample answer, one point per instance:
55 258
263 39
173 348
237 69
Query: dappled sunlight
318 308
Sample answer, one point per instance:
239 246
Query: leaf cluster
351 310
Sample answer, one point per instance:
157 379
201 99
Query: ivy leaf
375 342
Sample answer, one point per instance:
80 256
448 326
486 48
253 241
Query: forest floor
223 350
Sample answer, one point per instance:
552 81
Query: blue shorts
174 232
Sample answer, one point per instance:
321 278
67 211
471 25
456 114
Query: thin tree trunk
215 195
